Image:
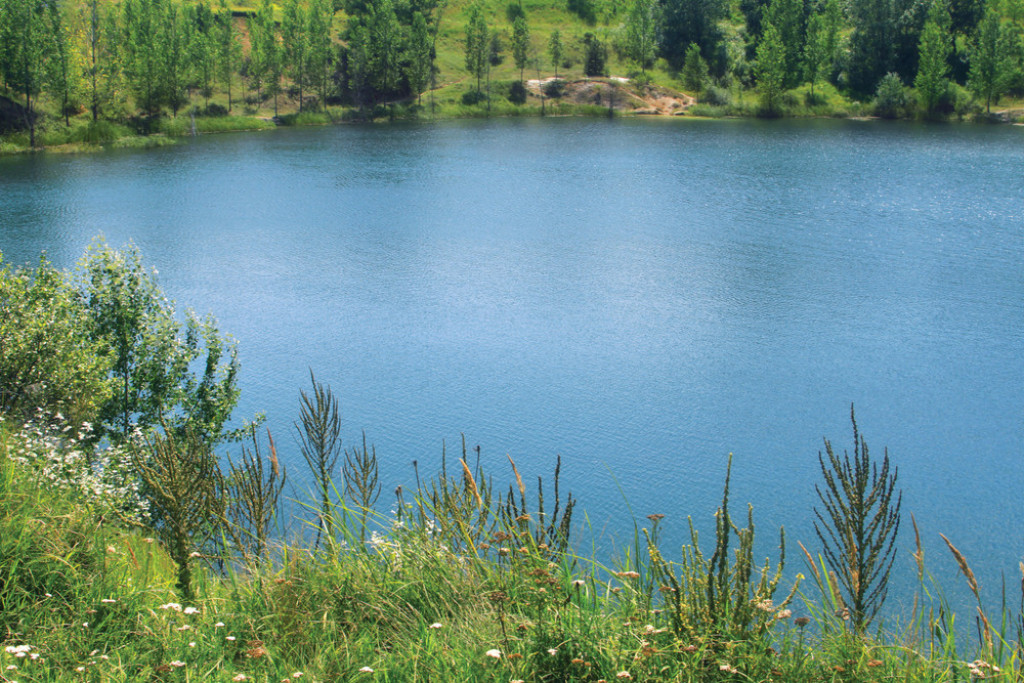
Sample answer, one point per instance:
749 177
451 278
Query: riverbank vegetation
142 537
83 73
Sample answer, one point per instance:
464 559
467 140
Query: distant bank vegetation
81 73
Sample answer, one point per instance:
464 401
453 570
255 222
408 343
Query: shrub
215 110
49 359
891 97
554 88
517 93
473 97
716 96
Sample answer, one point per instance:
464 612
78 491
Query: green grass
445 591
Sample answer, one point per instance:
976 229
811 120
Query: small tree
771 69
991 59
594 55
891 97
642 33
520 44
152 353
183 483
858 525
555 49
695 69
932 80
477 43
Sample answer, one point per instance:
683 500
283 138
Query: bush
513 11
716 96
517 93
595 55
555 88
48 359
473 97
891 97
215 110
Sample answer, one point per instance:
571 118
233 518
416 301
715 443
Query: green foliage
891 97
932 82
520 44
695 69
641 33
254 494
48 359
991 59
554 88
858 525
362 483
595 56
517 92
555 49
477 43
151 353
723 597
185 489
319 430
771 70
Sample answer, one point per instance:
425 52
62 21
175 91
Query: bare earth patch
619 94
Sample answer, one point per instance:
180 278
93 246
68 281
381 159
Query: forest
137 62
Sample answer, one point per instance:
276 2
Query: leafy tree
642 32
142 63
227 49
47 357
594 55
891 97
690 21
771 68
871 44
264 52
555 49
173 45
494 53
787 16
476 43
25 47
858 525
152 353
991 59
384 47
520 44
932 81
202 47
816 56
65 68
295 38
418 56
695 69
321 54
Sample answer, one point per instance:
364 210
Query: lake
643 297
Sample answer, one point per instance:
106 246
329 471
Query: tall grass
465 580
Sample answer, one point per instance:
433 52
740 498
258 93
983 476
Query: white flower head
494 653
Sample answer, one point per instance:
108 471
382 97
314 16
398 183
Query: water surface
642 297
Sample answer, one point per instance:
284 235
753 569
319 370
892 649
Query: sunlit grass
439 590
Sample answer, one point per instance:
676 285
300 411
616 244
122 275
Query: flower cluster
63 456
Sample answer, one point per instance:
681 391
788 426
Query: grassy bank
462 582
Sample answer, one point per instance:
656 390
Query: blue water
643 297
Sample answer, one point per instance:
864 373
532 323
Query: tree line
139 58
